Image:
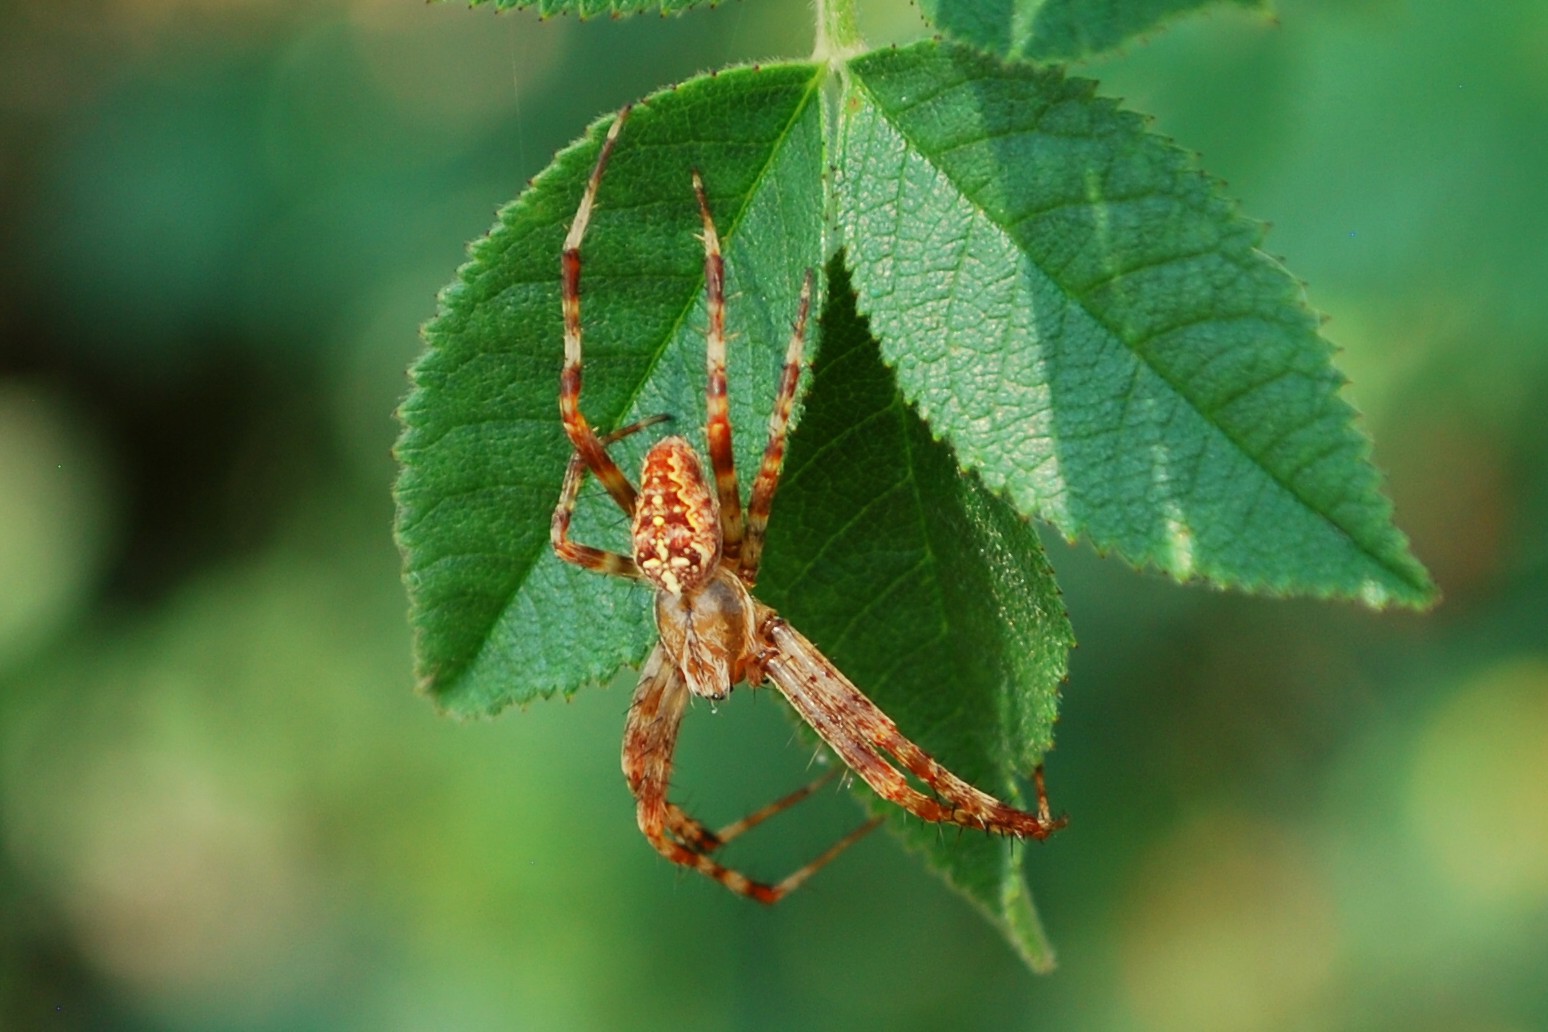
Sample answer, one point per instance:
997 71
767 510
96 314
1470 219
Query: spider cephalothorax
693 543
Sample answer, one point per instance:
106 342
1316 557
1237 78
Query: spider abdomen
676 531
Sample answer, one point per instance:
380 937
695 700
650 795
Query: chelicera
697 547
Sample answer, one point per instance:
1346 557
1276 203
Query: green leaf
1057 30
929 592
498 618
592 8
1092 326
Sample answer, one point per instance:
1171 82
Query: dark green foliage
928 591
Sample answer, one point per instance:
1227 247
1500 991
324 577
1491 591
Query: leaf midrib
728 235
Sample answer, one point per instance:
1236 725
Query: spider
700 550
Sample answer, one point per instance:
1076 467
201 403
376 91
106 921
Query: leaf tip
1425 594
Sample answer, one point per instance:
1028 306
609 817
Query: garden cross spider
701 554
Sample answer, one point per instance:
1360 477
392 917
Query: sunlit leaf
1077 309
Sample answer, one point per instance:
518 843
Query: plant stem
838 32
838 40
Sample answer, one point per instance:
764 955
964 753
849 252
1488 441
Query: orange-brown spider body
692 541
676 526
704 614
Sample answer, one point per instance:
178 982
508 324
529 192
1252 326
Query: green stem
838 40
838 32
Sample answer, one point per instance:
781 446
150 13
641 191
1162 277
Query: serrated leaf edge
1424 590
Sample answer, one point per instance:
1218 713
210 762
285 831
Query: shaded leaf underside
1074 306
930 593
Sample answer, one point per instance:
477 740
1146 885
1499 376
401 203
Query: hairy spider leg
858 731
737 828
587 444
717 422
650 737
559 531
703 840
762 499
1043 812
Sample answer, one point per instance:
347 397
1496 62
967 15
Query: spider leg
859 731
757 817
717 424
987 812
559 530
588 446
702 839
691 831
650 736
762 498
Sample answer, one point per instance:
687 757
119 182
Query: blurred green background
223 807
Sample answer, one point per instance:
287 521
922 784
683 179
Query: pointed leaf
929 592
1093 327
1057 30
499 619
